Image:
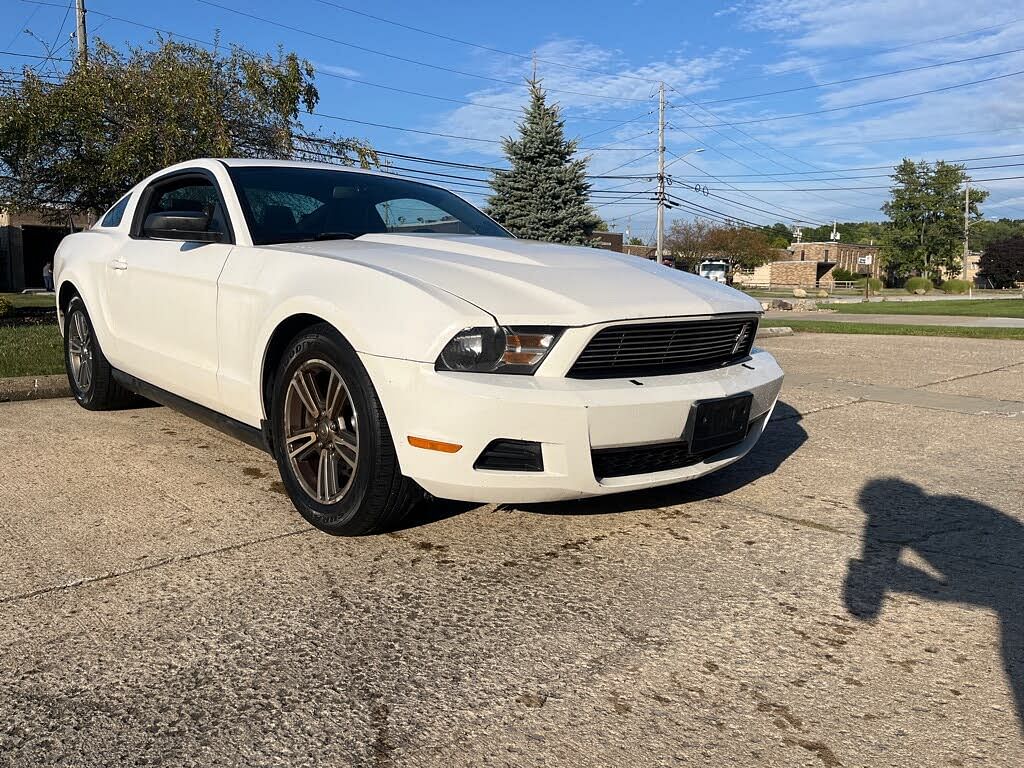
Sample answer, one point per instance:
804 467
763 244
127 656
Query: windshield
287 205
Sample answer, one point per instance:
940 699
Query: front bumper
569 417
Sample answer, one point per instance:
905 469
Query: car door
163 294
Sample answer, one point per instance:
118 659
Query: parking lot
850 594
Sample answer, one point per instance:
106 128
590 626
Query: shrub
915 283
874 285
6 307
955 286
844 275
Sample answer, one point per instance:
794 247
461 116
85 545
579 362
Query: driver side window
192 194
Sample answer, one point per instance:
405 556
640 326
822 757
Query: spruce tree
543 196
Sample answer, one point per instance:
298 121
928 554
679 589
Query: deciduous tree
689 241
926 215
745 247
77 145
1003 262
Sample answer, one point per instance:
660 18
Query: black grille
511 456
659 349
620 462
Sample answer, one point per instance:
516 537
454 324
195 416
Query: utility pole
83 40
967 221
661 173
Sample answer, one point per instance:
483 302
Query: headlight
497 350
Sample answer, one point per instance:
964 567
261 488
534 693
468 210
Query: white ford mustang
380 336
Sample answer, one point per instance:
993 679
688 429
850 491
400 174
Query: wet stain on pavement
254 472
533 700
827 756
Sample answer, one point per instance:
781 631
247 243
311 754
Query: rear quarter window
112 218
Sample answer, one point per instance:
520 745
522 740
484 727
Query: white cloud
336 70
813 41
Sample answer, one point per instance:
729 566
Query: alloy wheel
321 431
80 350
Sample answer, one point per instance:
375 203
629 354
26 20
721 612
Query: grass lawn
46 300
962 308
32 350
825 326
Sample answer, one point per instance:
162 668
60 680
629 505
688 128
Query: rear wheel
332 441
89 373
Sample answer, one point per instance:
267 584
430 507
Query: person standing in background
48 276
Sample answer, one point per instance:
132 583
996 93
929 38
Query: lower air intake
506 455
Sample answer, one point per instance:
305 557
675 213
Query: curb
34 388
779 330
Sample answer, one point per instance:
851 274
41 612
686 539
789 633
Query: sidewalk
954 320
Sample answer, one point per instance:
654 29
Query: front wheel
89 374
332 441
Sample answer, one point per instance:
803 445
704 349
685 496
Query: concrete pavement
848 595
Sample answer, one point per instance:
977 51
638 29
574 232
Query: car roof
245 162
240 162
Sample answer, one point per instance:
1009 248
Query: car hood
528 282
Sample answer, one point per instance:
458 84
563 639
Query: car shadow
431 510
781 439
974 548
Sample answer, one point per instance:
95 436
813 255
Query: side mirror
192 226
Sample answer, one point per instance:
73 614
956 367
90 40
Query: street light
661 191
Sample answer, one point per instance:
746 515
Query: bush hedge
955 286
918 283
874 286
6 307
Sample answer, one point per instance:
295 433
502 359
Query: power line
781 72
522 56
858 79
877 175
864 141
882 186
857 106
337 76
23 27
874 167
32 55
396 57
630 162
406 130
748 149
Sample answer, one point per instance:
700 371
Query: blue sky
602 60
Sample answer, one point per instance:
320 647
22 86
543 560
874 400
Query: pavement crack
970 375
149 566
800 414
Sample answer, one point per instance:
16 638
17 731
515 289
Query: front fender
378 312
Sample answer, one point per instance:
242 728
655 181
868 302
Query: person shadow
974 548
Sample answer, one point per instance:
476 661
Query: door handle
118 264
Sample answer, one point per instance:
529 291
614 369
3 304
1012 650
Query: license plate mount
719 423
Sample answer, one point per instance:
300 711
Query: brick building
609 241
840 255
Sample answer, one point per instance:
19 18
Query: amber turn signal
433 445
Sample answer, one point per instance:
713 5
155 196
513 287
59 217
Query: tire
89 374
332 442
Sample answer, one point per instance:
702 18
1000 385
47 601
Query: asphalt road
851 594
